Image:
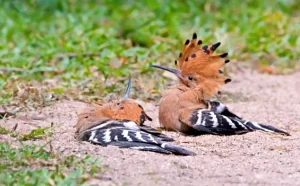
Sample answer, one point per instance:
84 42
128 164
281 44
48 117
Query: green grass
127 36
35 134
32 165
39 133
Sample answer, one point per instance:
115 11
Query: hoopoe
121 123
186 108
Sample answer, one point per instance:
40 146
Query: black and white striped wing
114 130
210 122
126 134
213 123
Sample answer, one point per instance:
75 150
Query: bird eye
190 78
118 103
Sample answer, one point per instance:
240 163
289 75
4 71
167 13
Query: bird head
126 109
198 68
123 109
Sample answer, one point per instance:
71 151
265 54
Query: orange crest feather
203 65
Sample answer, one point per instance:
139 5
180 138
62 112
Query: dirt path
252 159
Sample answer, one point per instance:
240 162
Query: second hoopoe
121 123
186 108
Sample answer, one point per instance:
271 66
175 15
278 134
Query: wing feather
221 122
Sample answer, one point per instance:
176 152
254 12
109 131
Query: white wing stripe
131 125
138 135
141 148
92 135
125 135
230 122
151 138
220 108
116 138
214 119
106 138
199 117
163 145
241 124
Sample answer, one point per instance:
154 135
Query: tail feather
155 132
177 150
266 128
164 148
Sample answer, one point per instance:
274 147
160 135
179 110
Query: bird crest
127 109
123 109
197 67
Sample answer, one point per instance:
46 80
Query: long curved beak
126 96
174 71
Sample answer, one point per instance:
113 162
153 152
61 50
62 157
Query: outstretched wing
115 130
212 122
126 134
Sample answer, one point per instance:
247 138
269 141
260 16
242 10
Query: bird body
173 102
186 107
121 123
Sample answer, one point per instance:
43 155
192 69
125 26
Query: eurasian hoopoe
186 108
120 123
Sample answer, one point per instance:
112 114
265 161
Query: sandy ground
255 158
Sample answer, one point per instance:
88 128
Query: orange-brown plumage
186 107
116 110
173 102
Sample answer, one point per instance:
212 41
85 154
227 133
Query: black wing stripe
214 123
196 118
96 137
145 137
